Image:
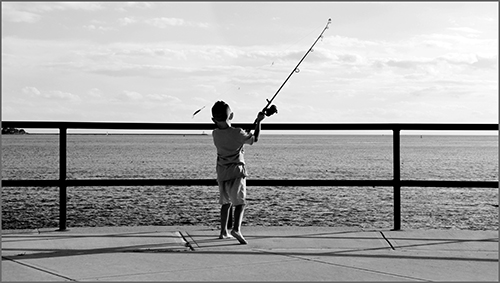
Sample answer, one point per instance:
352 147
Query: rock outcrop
13 131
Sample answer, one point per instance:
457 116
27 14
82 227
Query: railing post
62 179
397 179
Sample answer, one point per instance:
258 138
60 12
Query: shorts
233 191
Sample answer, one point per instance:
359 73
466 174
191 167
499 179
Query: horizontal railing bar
449 184
250 182
31 183
265 126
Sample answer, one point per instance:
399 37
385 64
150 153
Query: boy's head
221 112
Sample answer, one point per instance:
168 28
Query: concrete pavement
194 253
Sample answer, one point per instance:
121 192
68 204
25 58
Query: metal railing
396 182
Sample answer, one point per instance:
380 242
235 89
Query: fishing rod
270 110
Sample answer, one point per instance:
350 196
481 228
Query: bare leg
224 216
230 218
238 217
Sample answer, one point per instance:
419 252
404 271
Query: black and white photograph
167 141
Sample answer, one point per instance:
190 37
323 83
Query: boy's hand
260 117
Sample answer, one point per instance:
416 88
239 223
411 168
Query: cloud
132 95
165 22
404 64
143 60
450 59
60 94
168 22
31 12
162 22
473 60
459 58
270 54
150 98
465 30
16 16
95 92
151 51
437 43
127 21
163 98
140 70
456 42
31 90
133 5
349 58
41 7
486 63
51 94
88 6
92 27
445 90
342 41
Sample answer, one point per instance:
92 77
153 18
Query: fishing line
288 48
274 62
270 110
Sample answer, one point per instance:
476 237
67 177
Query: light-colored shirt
230 153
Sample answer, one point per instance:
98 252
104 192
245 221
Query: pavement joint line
347 266
387 240
39 268
222 266
349 253
436 243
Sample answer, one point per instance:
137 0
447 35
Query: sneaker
226 237
239 237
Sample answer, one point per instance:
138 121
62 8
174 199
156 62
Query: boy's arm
256 132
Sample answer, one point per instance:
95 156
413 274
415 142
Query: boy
231 172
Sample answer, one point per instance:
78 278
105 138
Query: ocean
427 157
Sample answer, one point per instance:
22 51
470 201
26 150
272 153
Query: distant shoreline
115 134
273 134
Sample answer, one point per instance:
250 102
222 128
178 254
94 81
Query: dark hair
220 111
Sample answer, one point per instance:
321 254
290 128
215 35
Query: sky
378 62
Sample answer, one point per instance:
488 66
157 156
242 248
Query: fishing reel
271 110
